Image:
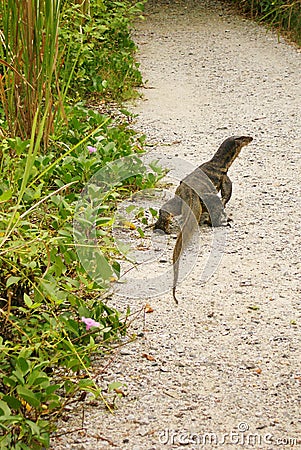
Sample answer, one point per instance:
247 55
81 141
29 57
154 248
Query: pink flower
90 323
91 149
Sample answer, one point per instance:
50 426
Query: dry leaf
27 405
129 225
148 308
119 391
148 357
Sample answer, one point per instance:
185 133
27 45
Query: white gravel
223 368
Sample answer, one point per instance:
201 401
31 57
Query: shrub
284 15
99 51
53 317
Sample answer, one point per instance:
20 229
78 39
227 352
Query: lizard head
230 149
241 141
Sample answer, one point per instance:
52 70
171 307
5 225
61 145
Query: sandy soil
223 368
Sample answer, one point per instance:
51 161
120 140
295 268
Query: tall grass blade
29 56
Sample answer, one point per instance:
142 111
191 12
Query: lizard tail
176 262
189 226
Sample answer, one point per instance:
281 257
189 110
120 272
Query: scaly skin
198 192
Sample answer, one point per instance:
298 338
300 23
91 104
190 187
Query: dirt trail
226 366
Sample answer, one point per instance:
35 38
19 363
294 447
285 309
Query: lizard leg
226 190
214 211
169 209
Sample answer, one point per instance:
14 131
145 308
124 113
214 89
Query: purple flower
91 149
90 323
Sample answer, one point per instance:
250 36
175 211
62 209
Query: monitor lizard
196 195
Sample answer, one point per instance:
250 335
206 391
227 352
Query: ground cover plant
56 57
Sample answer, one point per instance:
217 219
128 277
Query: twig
69 432
102 438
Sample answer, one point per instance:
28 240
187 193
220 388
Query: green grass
285 16
29 58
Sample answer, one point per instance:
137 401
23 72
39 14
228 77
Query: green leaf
73 364
10 419
12 280
4 408
27 300
69 386
104 221
102 266
50 389
38 378
130 208
115 385
105 330
116 268
9 381
110 146
86 383
32 377
70 325
6 439
29 396
141 232
13 402
50 288
22 446
19 375
124 248
58 266
35 429
5 196
153 212
54 404
83 311
23 365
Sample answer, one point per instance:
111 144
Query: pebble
240 364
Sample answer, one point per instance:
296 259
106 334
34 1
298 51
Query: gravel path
223 368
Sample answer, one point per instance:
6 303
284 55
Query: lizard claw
229 220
